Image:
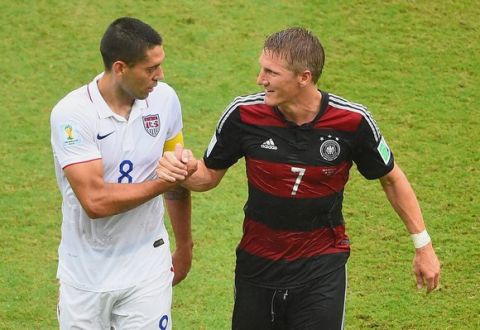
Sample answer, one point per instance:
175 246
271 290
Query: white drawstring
271 306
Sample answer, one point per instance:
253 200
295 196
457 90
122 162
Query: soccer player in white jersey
115 267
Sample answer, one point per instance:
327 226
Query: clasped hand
177 165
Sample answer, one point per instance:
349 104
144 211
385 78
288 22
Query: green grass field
415 64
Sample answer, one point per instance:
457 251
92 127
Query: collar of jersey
321 111
104 110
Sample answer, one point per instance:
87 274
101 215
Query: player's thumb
178 151
186 155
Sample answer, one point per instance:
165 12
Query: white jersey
115 252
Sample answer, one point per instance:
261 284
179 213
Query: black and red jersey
293 230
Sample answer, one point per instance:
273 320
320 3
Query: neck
118 101
304 108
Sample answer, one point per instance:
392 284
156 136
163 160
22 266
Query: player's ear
305 78
118 67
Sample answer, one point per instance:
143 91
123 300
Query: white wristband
421 239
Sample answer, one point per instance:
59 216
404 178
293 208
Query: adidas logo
269 144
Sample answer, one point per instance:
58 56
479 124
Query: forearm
204 178
402 197
403 200
179 206
101 199
113 198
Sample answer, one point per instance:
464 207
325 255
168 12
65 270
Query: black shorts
319 304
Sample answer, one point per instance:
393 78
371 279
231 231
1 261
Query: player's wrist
185 244
421 239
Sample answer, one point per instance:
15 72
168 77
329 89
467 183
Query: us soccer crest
330 149
152 124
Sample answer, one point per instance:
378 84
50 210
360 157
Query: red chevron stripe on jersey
286 180
261 241
341 119
261 115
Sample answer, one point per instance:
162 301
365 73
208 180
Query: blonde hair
300 48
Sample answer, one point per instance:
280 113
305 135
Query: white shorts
144 306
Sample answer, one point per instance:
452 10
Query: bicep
217 175
213 176
396 186
204 178
393 177
85 178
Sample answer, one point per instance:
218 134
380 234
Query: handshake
177 165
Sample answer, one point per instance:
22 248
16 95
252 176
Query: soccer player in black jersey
299 144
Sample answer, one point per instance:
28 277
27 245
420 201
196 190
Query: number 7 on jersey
300 171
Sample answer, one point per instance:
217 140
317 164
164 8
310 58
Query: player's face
140 79
281 84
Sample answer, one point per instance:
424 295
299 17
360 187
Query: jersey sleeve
175 117
170 144
224 148
72 134
372 155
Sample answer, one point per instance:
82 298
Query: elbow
213 185
94 210
94 213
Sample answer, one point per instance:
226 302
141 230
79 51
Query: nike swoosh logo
101 137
